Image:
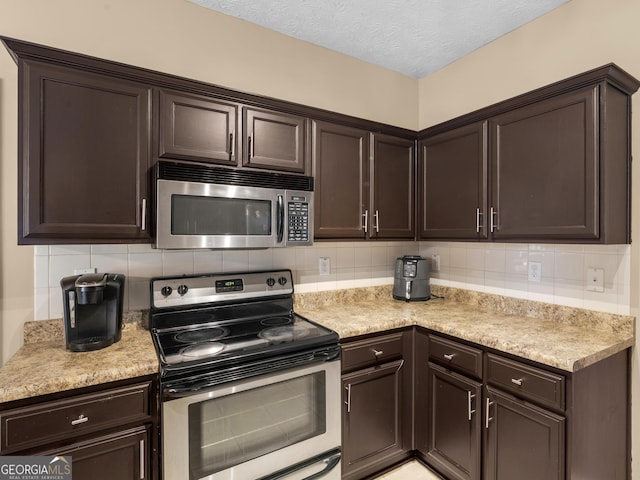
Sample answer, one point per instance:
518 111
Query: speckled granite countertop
45 366
561 337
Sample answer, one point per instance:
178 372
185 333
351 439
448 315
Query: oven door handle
308 470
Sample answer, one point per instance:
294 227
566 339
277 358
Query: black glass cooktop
224 340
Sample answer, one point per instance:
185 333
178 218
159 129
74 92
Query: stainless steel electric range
250 389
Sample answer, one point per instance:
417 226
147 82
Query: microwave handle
280 213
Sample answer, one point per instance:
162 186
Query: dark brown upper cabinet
545 170
392 212
275 141
555 163
196 127
453 184
341 175
84 155
364 183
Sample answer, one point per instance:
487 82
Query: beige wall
581 35
177 37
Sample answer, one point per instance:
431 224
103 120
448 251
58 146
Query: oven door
282 425
209 215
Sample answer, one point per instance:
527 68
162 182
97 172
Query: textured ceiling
414 37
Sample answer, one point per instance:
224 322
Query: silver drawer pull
517 381
449 356
377 353
79 420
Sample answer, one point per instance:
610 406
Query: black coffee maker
92 310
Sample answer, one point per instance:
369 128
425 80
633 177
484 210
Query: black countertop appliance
92 310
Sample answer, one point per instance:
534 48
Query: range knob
182 289
166 291
282 281
271 282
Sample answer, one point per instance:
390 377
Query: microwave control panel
298 211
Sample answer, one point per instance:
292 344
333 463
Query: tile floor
413 470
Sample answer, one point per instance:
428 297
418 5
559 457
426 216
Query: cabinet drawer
525 381
456 356
368 352
49 421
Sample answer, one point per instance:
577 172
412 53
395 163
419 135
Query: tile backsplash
489 267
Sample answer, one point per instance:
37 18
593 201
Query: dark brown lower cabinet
122 456
110 431
376 413
455 426
523 441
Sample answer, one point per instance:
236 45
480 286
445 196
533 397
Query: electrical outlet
435 262
595 279
535 271
324 265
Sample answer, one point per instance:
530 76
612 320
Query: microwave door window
198 215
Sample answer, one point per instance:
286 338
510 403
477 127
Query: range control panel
188 290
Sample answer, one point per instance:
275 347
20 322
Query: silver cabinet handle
251 146
365 217
377 353
478 224
143 221
449 356
348 402
376 217
517 381
488 418
142 458
79 420
494 215
470 397
231 145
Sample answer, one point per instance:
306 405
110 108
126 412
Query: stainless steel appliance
411 279
249 388
92 307
199 206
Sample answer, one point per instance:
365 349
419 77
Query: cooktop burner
275 321
204 349
288 333
201 335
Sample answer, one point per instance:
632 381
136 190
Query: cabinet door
522 441
454 428
453 184
372 418
84 156
544 161
200 128
121 456
341 175
274 140
392 192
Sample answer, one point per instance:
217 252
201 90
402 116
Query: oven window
197 215
229 430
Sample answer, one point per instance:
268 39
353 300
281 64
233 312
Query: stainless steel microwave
199 206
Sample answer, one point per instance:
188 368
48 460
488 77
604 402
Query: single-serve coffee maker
411 280
92 310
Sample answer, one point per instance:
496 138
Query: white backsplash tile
487 267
